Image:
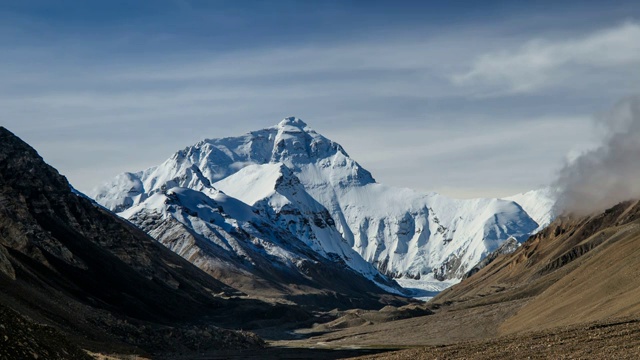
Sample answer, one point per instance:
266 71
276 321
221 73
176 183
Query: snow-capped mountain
234 242
540 204
308 185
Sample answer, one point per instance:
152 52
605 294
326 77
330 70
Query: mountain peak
10 140
292 121
21 166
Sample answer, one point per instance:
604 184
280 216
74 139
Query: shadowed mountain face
578 269
67 262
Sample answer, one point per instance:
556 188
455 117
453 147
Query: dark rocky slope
66 262
20 338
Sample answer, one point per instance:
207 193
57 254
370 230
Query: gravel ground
613 339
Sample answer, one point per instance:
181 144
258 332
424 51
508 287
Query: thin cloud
543 63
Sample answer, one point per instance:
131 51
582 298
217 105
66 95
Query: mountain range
293 181
194 258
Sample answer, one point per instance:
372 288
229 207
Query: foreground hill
96 280
576 270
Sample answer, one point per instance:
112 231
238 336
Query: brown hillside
579 269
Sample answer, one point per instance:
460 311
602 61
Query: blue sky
464 98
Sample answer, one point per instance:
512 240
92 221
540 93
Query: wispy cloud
542 63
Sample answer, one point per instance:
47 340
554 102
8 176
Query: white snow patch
426 288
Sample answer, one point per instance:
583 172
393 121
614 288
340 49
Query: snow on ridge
278 194
226 223
539 204
236 229
411 235
252 183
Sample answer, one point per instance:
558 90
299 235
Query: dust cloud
610 173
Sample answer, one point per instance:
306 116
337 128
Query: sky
466 98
